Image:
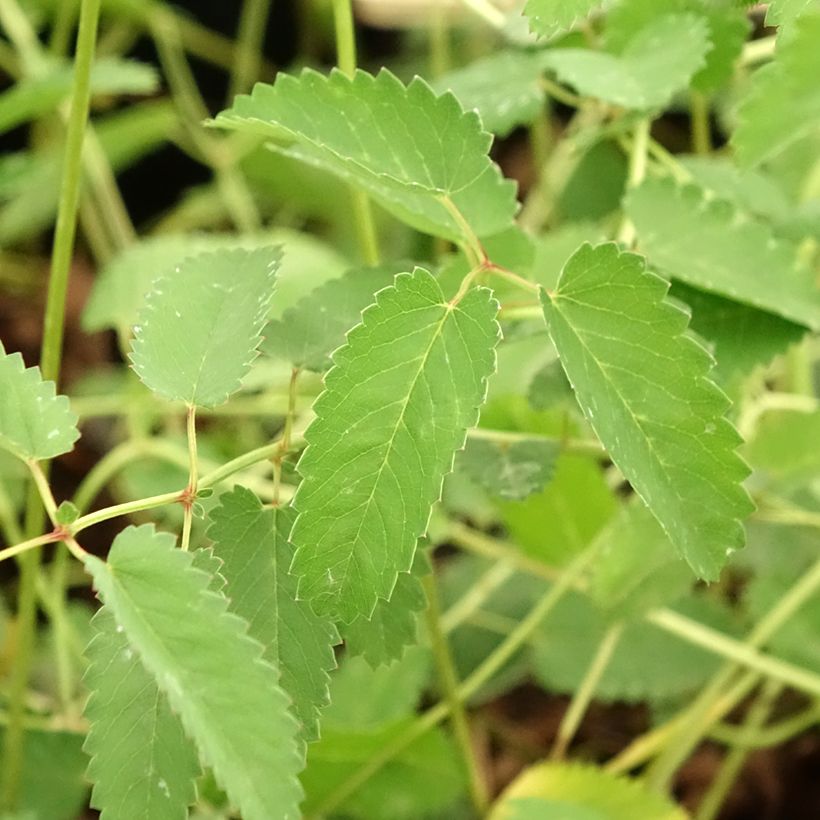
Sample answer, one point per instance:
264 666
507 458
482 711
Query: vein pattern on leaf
406 146
643 385
142 764
252 542
396 406
35 422
708 244
227 697
200 328
783 101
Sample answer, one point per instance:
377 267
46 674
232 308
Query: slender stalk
701 130
772 735
471 601
637 172
65 15
25 546
448 678
127 508
585 692
193 479
440 58
346 59
486 11
287 432
249 44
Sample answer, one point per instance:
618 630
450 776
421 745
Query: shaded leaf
395 409
200 327
252 542
549 17
643 385
35 422
407 147
203 661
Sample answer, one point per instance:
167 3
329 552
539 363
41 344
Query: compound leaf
643 385
783 101
142 764
709 245
252 543
202 659
661 59
549 17
410 149
396 406
35 423
200 327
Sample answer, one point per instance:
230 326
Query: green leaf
227 697
396 406
643 385
549 387
393 626
559 522
408 148
252 543
142 764
504 88
606 796
313 328
783 101
784 444
707 244
661 59
549 17
781 12
67 513
35 423
200 328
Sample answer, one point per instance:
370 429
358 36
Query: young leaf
643 385
201 327
393 626
252 543
35 423
202 659
557 785
660 60
313 328
549 17
396 406
142 764
783 101
707 244
410 149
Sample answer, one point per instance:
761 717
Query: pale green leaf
549 387
393 626
312 329
142 764
781 12
785 444
643 386
201 326
407 147
661 59
396 406
606 796
549 17
227 697
35 422
707 244
252 543
504 88
783 101
510 468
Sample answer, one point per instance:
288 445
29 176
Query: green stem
25 546
449 685
65 15
249 43
193 479
772 735
701 130
439 41
585 692
637 172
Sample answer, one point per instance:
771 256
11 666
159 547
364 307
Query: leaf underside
396 406
202 659
200 327
643 385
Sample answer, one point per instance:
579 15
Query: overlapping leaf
661 59
643 385
202 659
395 409
142 764
410 149
35 423
783 101
781 12
200 328
707 244
252 543
549 17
